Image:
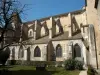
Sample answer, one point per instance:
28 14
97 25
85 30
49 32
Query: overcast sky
43 8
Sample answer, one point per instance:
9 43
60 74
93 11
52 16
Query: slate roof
45 39
64 36
42 40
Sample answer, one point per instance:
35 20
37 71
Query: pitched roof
58 15
42 40
64 36
77 36
45 39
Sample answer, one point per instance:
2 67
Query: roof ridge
44 18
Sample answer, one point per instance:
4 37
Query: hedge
34 63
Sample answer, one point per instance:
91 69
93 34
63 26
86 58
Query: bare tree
7 9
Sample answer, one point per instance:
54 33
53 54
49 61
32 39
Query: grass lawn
30 70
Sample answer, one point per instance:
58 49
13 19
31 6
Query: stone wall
98 52
67 49
92 18
71 22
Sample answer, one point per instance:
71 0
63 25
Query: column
69 26
50 33
34 35
70 50
92 46
25 55
45 53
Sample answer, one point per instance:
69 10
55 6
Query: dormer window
30 33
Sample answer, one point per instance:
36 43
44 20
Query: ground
30 70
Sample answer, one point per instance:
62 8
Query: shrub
58 63
13 62
18 62
91 70
69 64
78 65
72 64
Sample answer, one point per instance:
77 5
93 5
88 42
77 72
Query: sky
37 9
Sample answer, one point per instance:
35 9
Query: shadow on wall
28 54
50 51
4 55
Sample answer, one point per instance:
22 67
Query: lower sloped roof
65 35
45 39
42 40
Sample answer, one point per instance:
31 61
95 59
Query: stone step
83 72
98 71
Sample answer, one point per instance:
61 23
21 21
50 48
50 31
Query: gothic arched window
37 52
58 51
13 53
28 53
30 33
21 52
77 51
7 50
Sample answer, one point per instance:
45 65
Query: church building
59 37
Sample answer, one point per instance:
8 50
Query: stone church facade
58 38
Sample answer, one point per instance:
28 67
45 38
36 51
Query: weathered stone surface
65 30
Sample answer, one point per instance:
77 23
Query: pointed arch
77 50
59 27
46 29
43 31
6 52
75 27
37 52
58 51
28 54
21 52
13 54
30 33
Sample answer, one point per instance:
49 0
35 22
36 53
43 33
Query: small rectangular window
96 4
